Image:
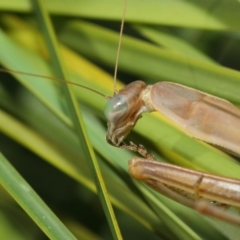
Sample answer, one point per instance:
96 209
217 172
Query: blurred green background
192 43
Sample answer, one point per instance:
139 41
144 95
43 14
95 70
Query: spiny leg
202 206
139 149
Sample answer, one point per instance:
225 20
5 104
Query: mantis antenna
77 84
119 47
54 79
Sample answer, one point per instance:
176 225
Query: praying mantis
195 112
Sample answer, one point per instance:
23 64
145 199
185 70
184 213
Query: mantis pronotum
133 146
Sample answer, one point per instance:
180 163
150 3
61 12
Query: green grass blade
173 43
45 127
77 120
22 192
216 15
151 62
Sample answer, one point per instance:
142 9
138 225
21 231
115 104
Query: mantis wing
200 115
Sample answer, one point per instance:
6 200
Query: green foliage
177 41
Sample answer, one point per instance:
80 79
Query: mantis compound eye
115 108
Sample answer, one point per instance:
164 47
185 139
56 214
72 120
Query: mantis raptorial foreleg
190 188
